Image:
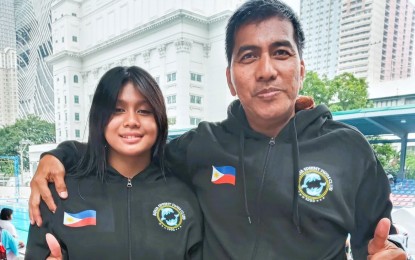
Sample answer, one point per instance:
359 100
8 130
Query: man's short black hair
255 11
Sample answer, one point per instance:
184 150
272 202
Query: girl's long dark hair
94 159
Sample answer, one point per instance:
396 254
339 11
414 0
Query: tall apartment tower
375 39
33 45
181 43
7 25
8 81
321 24
8 87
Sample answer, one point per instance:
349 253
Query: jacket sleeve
9 242
176 156
37 247
372 204
68 152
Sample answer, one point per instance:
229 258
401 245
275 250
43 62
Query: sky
295 4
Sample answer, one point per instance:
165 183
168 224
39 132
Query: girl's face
132 129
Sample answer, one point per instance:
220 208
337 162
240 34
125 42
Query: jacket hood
308 122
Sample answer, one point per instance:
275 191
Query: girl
123 205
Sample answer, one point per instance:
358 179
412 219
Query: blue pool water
20 217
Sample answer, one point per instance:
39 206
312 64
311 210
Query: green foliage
31 129
350 92
386 154
6 167
410 165
344 92
318 88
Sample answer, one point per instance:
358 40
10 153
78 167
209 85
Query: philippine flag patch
81 219
223 175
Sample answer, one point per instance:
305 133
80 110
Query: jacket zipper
271 143
129 186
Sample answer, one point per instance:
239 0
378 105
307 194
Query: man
272 184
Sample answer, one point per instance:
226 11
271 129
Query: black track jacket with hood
295 196
149 216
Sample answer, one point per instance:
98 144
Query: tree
344 92
318 88
31 129
388 157
410 165
350 92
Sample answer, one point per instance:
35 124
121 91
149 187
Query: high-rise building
181 43
321 24
7 25
33 45
8 87
8 80
374 39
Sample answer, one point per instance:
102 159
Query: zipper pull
129 184
272 141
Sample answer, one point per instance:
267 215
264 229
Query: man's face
266 72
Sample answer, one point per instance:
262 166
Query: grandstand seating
403 193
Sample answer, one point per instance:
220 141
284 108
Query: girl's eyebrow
140 102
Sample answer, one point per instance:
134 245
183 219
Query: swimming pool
20 217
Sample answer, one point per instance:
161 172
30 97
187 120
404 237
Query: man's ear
302 74
229 80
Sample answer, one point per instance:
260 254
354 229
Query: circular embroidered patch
169 216
314 183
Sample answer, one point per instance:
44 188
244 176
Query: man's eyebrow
276 44
282 44
244 48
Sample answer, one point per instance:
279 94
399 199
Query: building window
171 77
77 133
76 116
171 99
74 38
195 77
74 14
63 39
64 79
75 79
171 120
194 120
157 79
65 99
76 99
195 99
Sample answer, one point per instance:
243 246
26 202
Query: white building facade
181 43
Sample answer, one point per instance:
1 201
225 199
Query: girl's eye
118 110
144 112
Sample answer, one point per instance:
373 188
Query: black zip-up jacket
295 196
146 217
